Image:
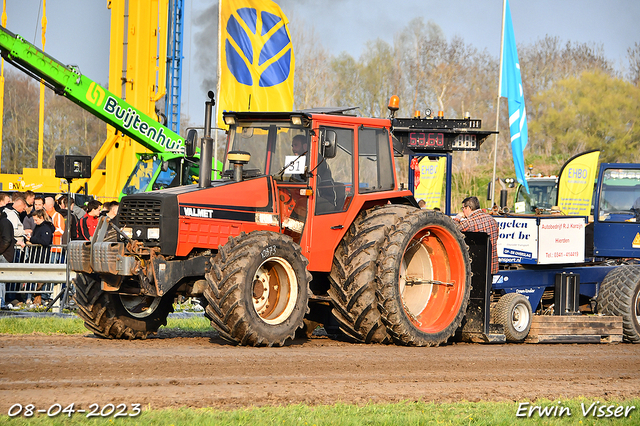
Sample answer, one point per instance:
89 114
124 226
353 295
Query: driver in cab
325 184
300 147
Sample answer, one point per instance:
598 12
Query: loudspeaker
73 166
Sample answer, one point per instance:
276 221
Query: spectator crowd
35 228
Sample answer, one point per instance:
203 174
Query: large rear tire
115 316
352 279
424 279
619 295
513 312
258 289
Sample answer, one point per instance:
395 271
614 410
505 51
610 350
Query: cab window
335 175
375 171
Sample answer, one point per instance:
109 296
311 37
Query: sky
78 30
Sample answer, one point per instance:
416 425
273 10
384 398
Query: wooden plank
536 324
576 329
573 318
576 325
543 338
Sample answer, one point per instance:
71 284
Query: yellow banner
431 177
256 62
575 186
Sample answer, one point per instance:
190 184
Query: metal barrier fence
35 270
33 253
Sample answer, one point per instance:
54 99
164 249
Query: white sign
517 240
295 164
561 240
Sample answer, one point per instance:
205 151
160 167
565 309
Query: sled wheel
513 312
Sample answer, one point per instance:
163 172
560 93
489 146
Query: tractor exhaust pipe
206 147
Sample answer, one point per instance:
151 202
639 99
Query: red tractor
308 218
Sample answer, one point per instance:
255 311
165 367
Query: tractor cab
324 166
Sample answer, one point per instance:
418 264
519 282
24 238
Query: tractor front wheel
258 289
115 316
424 279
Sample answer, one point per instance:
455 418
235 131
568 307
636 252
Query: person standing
28 223
56 219
13 214
58 223
4 199
88 223
112 212
105 208
70 220
473 219
29 197
42 235
76 209
110 209
6 249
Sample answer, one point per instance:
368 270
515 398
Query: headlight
128 232
268 219
153 233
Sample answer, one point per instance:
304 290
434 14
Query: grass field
57 325
400 414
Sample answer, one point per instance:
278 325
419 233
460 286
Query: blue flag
511 88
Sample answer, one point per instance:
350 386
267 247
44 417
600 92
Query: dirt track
200 371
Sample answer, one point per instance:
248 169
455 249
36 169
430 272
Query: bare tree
346 74
313 82
549 60
20 122
633 54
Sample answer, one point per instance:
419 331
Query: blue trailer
556 264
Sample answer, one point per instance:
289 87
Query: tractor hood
180 219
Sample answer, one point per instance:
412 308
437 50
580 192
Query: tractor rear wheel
352 279
620 295
424 279
513 312
258 289
115 316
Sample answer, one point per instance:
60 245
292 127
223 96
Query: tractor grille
141 212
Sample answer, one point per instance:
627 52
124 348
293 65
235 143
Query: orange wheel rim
433 279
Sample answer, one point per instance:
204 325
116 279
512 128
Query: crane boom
66 80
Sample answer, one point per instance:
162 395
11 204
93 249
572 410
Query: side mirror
329 143
165 166
190 143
